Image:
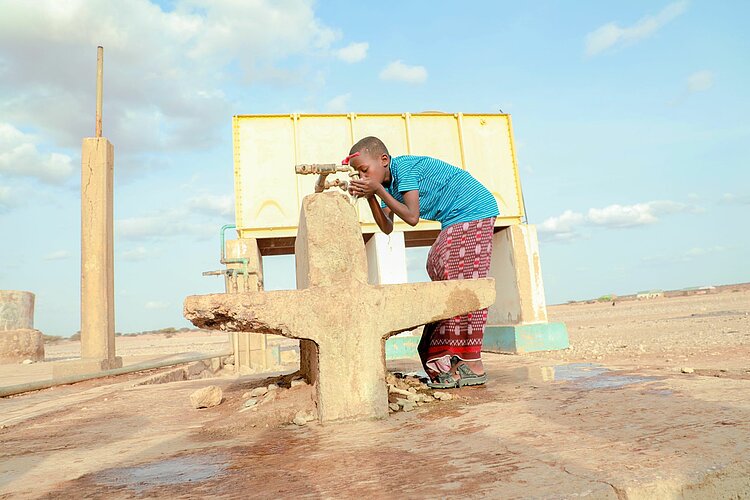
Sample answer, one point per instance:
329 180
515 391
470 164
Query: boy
415 187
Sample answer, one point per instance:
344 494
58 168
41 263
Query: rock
395 390
250 402
269 397
298 382
405 404
272 387
442 396
258 391
686 369
206 397
300 418
412 390
27 361
394 406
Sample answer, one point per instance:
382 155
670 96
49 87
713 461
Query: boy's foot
463 373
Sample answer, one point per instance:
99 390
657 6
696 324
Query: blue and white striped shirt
447 194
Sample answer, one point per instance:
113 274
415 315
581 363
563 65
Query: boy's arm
383 217
407 211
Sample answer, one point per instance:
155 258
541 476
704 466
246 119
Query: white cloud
726 199
339 103
163 225
700 81
562 227
20 157
155 305
566 226
135 254
354 52
163 71
58 255
7 199
610 34
616 216
202 217
212 204
397 71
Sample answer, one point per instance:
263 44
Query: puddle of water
181 470
580 376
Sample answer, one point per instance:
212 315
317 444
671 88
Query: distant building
649 294
697 290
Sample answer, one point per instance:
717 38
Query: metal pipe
226 261
99 85
73 379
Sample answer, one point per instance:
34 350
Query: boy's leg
468 258
436 271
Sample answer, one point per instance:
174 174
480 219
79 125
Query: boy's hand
363 187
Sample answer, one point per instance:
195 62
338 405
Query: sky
630 122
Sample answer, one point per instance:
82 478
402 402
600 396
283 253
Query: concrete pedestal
16 310
517 321
518 339
19 340
251 353
386 259
17 346
97 262
251 279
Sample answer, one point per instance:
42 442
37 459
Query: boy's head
373 159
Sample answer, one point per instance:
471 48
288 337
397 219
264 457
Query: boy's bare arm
407 211
383 217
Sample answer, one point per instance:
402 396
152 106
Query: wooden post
99 84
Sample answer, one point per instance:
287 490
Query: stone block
19 345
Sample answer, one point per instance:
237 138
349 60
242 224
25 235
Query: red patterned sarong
461 251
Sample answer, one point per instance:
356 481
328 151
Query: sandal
468 377
444 380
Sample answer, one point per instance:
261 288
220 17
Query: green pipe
224 260
72 379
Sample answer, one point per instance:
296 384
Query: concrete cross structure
342 320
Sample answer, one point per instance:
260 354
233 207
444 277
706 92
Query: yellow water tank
268 192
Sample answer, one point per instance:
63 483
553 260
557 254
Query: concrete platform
520 339
538 430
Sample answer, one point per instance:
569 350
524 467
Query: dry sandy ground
613 417
702 332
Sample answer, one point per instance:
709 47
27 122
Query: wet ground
538 430
670 423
